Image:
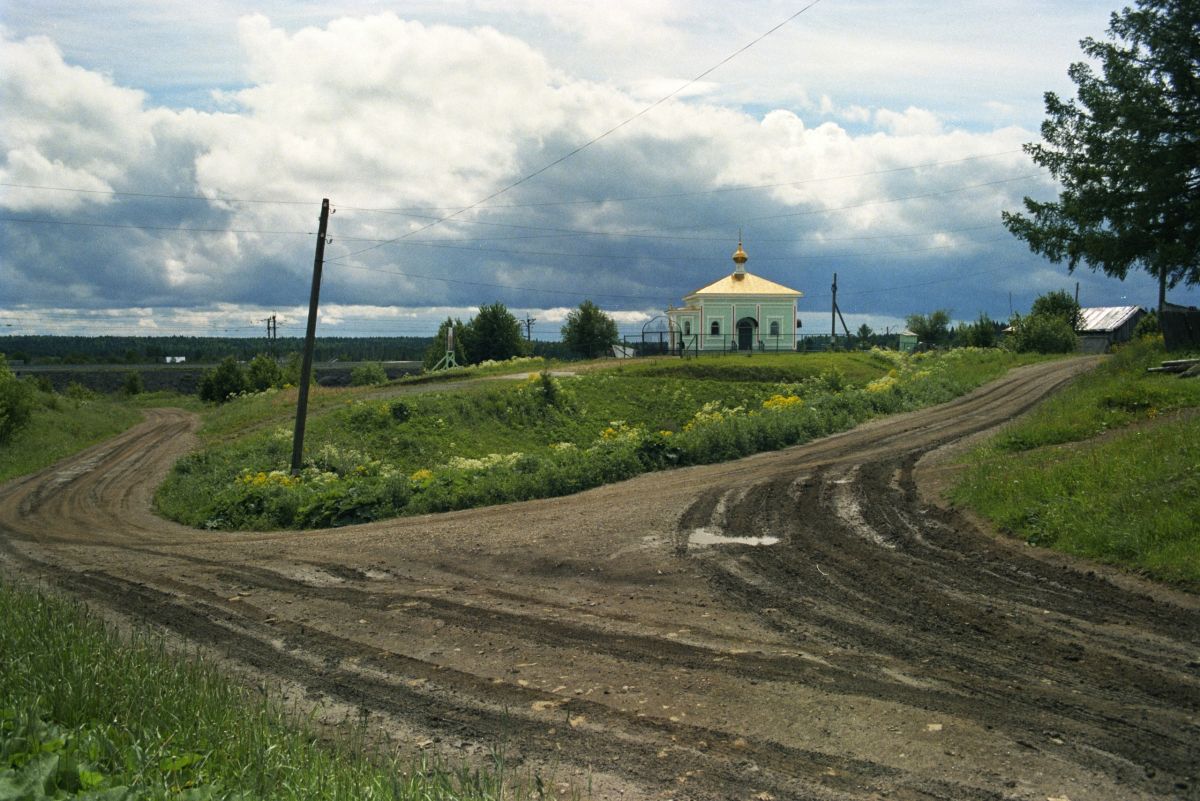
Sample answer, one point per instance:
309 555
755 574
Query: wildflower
780 402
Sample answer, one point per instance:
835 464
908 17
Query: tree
224 381
864 335
17 401
1126 152
979 334
589 332
932 328
370 374
263 373
493 334
1058 303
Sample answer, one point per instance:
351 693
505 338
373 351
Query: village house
740 312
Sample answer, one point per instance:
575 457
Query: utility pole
833 317
528 323
310 336
272 332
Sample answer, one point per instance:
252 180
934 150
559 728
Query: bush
263 373
223 382
17 401
366 375
133 384
1147 326
79 393
1042 333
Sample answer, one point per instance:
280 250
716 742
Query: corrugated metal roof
1106 318
745 284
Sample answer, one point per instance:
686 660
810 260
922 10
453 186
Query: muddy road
870 645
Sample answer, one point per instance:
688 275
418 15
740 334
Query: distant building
907 342
174 359
740 312
1101 327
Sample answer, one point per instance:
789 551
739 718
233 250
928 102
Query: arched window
774 328
715 328
687 328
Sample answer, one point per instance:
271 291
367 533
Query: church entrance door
745 333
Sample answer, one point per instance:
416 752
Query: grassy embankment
1108 469
372 455
86 715
65 424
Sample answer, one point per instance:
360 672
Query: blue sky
163 163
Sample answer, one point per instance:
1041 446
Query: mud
882 647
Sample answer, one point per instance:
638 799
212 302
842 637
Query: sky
162 163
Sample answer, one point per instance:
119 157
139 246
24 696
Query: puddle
703 537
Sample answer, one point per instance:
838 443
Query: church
740 312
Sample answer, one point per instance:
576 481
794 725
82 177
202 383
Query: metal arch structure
657 340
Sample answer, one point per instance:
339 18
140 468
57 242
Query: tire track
882 648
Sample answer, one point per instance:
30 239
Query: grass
60 427
1109 469
85 714
370 456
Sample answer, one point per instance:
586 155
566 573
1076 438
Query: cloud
402 122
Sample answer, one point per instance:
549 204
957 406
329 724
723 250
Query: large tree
1126 152
493 334
932 328
589 332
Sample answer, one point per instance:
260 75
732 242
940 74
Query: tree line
150 350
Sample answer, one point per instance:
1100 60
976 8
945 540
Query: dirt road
873 646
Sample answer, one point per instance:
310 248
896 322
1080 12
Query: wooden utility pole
833 317
528 323
310 337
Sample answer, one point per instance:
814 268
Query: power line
595 139
414 211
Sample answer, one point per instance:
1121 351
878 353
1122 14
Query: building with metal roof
1101 327
739 312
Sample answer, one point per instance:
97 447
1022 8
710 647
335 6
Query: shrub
223 382
17 401
1042 333
1147 326
366 375
400 411
79 393
263 373
132 384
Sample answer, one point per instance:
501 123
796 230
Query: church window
715 328
687 328
774 328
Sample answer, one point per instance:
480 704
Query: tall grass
1108 469
83 712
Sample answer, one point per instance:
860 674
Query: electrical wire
590 142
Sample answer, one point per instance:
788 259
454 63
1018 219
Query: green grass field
1108 469
87 714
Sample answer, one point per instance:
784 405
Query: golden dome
739 255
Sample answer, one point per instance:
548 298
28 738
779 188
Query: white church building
740 312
